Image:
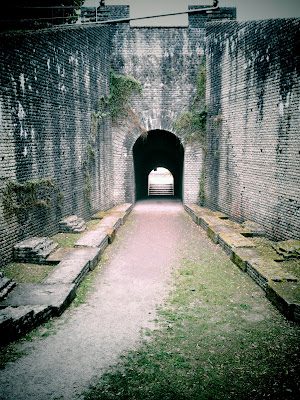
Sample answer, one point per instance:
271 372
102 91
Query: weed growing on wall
18 197
193 123
121 88
116 105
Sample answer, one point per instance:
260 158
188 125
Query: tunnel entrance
159 149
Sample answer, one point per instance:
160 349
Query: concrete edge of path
30 305
280 287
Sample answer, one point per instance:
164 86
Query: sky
246 9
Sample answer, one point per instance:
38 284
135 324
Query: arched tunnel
159 149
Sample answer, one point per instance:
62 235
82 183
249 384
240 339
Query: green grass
27 273
217 337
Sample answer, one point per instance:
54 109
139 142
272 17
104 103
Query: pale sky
246 9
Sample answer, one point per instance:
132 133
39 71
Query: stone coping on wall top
29 305
281 287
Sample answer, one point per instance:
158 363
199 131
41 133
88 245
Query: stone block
68 272
112 220
72 224
213 231
252 229
124 207
6 286
16 321
288 248
286 297
229 240
94 238
264 271
205 220
34 250
90 254
241 255
57 296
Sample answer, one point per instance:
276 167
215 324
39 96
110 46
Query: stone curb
281 287
29 305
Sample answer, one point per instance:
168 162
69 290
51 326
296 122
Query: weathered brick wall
166 62
50 83
253 160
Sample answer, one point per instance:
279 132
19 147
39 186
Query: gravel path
92 336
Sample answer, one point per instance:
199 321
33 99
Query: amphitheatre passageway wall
253 137
60 156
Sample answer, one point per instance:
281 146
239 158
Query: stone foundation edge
284 295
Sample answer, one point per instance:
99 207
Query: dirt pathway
92 336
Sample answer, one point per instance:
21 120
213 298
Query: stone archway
160 148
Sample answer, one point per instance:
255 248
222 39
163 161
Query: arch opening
160 149
160 182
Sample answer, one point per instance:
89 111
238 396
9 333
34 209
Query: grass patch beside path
27 273
217 337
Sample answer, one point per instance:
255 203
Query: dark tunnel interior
159 149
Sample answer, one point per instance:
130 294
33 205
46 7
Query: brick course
253 141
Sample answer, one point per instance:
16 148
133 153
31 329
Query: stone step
34 250
161 189
6 286
72 224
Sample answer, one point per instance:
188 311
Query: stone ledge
89 254
96 238
241 256
68 272
286 297
57 296
281 287
29 305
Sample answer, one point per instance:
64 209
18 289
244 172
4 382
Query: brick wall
166 62
50 83
253 160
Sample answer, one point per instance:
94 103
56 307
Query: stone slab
57 297
68 272
288 248
121 215
90 254
124 207
252 229
230 240
264 271
207 220
110 221
111 233
94 238
286 297
16 321
213 231
240 256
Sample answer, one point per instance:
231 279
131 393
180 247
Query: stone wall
253 141
50 84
